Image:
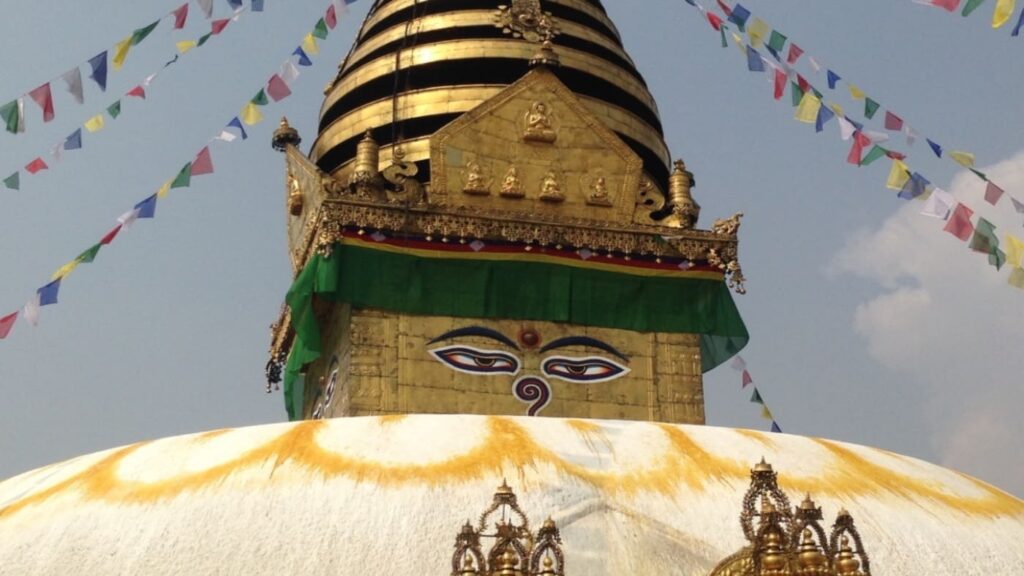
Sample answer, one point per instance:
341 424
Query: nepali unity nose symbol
533 391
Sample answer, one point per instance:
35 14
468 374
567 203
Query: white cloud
949 325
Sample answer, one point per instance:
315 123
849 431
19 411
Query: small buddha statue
538 125
295 199
599 193
475 182
550 189
511 187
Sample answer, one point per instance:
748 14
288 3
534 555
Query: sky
868 323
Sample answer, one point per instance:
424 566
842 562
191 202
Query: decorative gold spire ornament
285 136
684 209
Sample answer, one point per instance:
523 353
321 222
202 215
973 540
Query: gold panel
385 366
535 148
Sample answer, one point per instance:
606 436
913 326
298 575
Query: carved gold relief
550 188
525 19
475 179
538 124
511 186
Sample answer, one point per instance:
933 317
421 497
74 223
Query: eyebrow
582 341
479 331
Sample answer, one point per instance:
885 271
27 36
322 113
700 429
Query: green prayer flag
870 107
875 153
320 30
777 41
260 99
202 39
9 113
114 109
756 398
725 43
971 6
997 258
797 92
184 178
979 174
140 34
90 254
985 239
818 94
13 181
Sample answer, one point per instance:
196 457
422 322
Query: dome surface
387 495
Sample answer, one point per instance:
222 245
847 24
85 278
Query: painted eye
476 361
590 369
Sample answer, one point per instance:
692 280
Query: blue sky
868 323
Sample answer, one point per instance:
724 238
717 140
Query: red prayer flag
138 92
331 17
950 5
180 15
715 21
725 8
794 54
218 26
110 235
993 193
6 323
959 224
895 155
203 164
36 165
277 88
780 84
892 121
747 380
803 83
860 141
44 98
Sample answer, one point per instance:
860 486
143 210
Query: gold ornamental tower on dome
489 222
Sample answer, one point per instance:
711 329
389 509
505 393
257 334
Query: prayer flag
757 31
756 397
185 45
939 204
6 323
794 54
870 107
766 413
993 193
875 153
910 134
947 4
739 16
716 23
35 166
74 140
898 175
965 159
73 80
776 42
1017 205
959 223
48 294
857 149
309 45
138 92
64 270
846 128
855 93
206 6
147 208
13 182
935 148
1014 250
984 239
44 98
1020 24
914 187
775 427
979 174
807 111
892 121
121 52
1003 12
725 7
89 255
202 39
164 189
320 30
180 15
278 88
804 84
128 218
971 6
140 34
218 26
31 311
260 99
203 164
738 363
98 63
184 177
235 4
780 84
1017 278
109 236
236 123
257 5
754 63
833 78
251 114
11 116
747 380
797 93
94 124
114 109
288 72
814 64
331 18
303 58
824 115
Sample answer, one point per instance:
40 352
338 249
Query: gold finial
807 504
545 56
846 561
504 488
684 209
762 466
366 168
285 136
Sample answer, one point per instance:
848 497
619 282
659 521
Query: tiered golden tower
487 223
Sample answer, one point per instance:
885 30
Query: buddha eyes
476 361
590 369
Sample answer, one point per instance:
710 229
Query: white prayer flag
31 311
939 204
846 128
73 79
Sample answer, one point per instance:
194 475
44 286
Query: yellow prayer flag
94 124
1004 10
856 93
186 45
64 270
898 176
121 52
164 189
1014 250
965 159
309 45
766 413
251 114
757 31
808 109
1017 278
838 110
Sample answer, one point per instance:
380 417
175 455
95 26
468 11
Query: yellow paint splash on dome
389 419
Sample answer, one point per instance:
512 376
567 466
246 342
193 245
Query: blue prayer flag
303 58
98 63
147 208
832 79
257 5
935 148
824 115
775 427
858 125
48 293
914 187
739 16
74 141
1020 23
236 123
235 4
754 62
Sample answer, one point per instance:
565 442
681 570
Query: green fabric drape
367 278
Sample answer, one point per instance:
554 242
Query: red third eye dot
529 338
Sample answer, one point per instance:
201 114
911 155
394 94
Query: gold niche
516 550
791 541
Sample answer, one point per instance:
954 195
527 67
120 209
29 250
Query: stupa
492 356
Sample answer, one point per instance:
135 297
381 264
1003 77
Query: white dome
388 495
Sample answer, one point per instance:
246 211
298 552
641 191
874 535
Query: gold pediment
535 148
